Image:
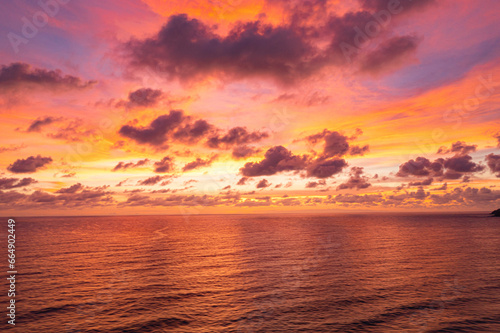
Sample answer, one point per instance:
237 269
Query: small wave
390 315
152 325
50 310
484 324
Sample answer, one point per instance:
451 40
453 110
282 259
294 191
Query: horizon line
269 213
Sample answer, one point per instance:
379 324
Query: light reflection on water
246 273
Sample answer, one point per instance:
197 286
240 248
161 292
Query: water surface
256 273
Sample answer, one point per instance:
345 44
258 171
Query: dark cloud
36 125
137 190
153 180
325 168
193 132
390 55
493 162
462 164
177 127
165 165
129 165
198 163
421 167
71 130
316 184
180 200
69 175
450 174
459 148
263 184
356 30
419 195
236 136
9 199
426 182
356 180
9 183
310 39
30 164
242 152
276 159
142 98
156 133
406 199
72 189
480 194
450 168
18 75
326 164
83 196
467 197
336 144
186 48
242 181
347 37
358 150
121 183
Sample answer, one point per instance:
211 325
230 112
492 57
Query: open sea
256 273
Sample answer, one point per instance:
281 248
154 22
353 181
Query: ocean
257 273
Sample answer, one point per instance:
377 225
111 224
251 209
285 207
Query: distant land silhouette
496 212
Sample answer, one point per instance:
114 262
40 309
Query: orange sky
194 107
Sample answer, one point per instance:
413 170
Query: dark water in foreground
289 273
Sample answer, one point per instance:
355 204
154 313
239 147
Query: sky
208 107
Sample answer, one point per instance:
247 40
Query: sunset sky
196 107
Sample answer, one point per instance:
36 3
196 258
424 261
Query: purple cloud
142 98
165 165
29 165
36 125
198 163
156 133
130 165
493 162
154 180
9 183
276 159
17 75
263 184
236 136
356 180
